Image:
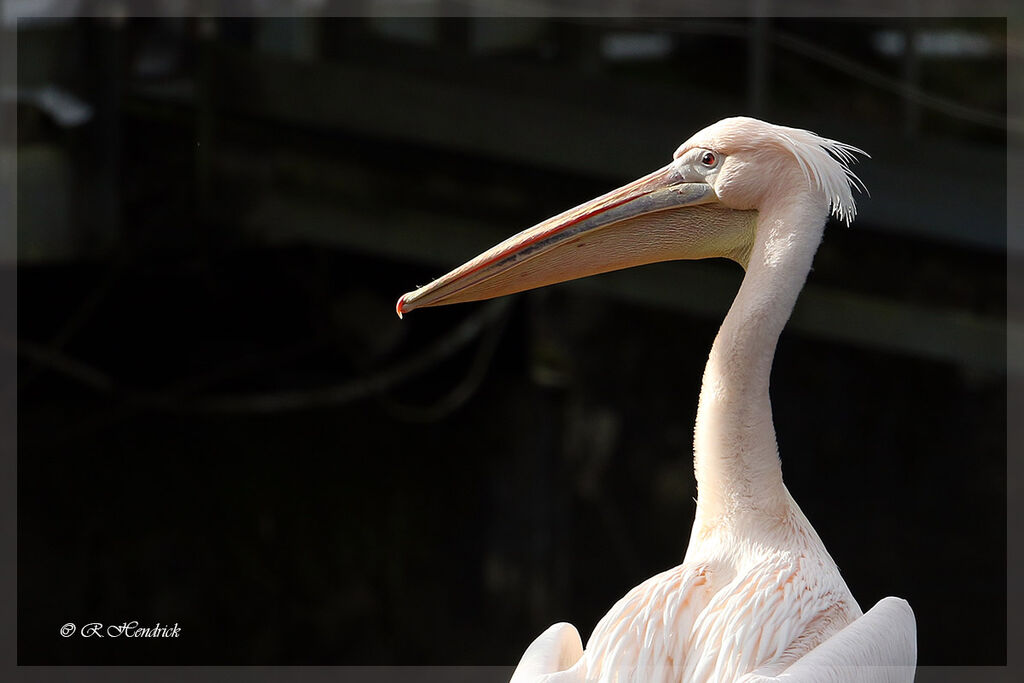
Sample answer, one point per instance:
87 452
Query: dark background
223 424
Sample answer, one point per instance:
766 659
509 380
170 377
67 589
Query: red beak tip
399 306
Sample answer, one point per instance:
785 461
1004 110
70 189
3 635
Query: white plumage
757 597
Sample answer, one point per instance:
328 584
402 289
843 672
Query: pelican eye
708 159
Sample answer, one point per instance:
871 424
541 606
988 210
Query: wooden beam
605 128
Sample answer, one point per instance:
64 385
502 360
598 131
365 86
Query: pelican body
757 598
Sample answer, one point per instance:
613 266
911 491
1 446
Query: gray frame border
509 8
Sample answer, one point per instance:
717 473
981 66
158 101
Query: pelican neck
736 460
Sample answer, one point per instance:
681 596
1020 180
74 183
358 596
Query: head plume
824 162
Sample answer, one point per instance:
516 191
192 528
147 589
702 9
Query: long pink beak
635 224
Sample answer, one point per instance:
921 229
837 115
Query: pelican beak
655 218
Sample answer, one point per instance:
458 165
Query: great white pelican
757 598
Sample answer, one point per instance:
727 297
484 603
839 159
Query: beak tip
400 306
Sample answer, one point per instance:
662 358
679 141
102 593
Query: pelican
757 598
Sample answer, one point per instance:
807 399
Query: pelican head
704 204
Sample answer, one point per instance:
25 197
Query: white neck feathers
736 458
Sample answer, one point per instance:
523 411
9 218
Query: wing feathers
672 628
550 657
879 647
